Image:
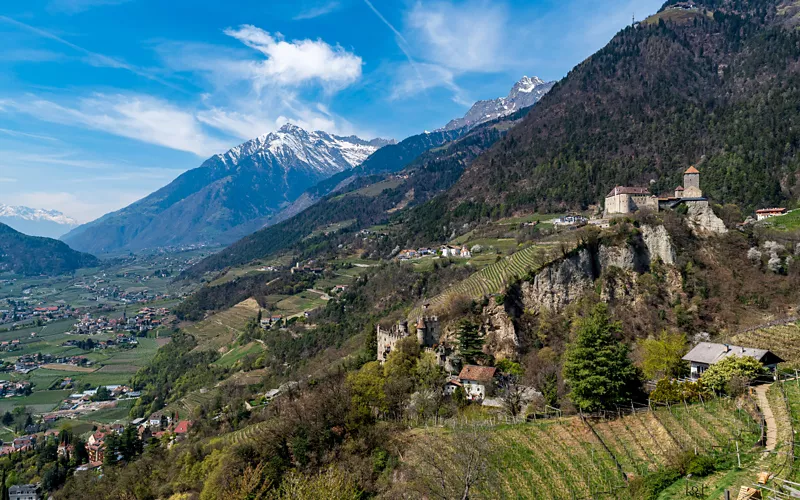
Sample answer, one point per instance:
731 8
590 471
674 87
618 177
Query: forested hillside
716 86
32 255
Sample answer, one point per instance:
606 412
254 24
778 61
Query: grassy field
788 222
230 358
40 401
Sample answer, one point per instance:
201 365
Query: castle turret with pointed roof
691 183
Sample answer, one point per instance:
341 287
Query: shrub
648 487
701 466
719 375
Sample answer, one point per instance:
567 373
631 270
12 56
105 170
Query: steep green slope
717 86
32 255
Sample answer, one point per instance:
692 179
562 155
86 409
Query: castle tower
691 183
422 331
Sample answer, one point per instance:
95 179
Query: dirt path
769 417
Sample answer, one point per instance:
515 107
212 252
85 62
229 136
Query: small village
143 321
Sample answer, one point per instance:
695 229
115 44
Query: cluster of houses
121 339
145 320
445 251
9 389
29 362
571 221
21 311
10 345
309 267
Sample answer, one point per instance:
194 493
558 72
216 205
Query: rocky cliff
613 268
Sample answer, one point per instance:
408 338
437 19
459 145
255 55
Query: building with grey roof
706 354
24 492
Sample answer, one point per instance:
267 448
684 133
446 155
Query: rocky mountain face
525 93
229 195
36 221
33 255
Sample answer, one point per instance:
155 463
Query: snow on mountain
36 221
229 196
295 148
525 93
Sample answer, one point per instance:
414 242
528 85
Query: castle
625 199
427 329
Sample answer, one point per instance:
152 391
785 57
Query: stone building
691 184
626 199
427 330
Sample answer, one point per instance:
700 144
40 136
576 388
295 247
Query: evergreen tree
597 366
470 342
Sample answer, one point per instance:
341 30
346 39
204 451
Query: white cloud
468 36
298 61
318 11
138 117
62 158
411 80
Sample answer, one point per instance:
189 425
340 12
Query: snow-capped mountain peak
36 214
36 221
295 148
524 93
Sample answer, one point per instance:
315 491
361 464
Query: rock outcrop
558 285
659 244
703 220
501 338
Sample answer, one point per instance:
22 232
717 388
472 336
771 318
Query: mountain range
270 179
524 94
229 195
36 221
34 255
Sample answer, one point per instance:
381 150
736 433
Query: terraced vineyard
565 458
493 278
187 405
223 328
783 340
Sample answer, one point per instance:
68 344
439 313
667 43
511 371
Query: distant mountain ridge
229 193
33 255
524 94
36 221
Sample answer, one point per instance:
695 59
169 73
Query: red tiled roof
771 211
692 170
628 190
474 372
679 188
182 427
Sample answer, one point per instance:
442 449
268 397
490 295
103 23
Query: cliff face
703 220
560 284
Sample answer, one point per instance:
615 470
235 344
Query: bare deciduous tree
453 467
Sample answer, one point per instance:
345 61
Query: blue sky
105 101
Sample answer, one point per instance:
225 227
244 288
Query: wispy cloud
298 61
17 133
30 55
63 158
76 6
465 37
318 11
93 58
140 117
402 44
